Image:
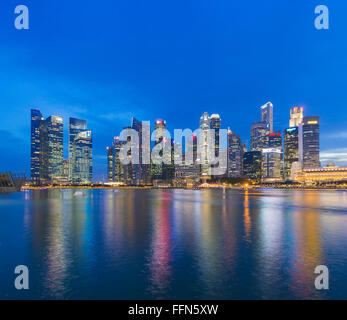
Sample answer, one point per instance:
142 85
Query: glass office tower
35 158
260 131
47 161
75 127
80 152
159 138
235 155
82 158
215 124
267 115
204 147
252 165
142 170
309 142
110 173
291 150
296 116
272 164
54 141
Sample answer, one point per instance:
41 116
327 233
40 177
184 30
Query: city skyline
277 147
219 154
220 68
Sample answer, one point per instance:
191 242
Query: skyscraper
129 169
52 138
215 124
82 158
142 170
204 147
110 170
160 138
80 152
235 155
274 140
291 150
117 165
252 165
267 115
36 155
260 131
296 116
272 158
272 164
309 142
75 127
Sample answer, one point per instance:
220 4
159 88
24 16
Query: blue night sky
108 60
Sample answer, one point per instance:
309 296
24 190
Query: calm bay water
184 244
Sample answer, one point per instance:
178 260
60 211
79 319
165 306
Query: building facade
204 145
82 161
309 142
272 168
75 127
47 162
329 174
291 150
234 155
260 131
267 115
157 169
80 152
252 165
296 116
36 147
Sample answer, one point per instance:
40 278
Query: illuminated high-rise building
234 155
274 140
272 164
272 159
215 124
260 131
75 127
142 170
296 116
46 148
129 168
36 146
160 138
136 173
309 142
53 154
204 147
80 152
252 165
115 166
267 115
82 158
291 150
110 173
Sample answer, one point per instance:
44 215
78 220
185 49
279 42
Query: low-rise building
330 173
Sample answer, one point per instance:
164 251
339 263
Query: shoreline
176 188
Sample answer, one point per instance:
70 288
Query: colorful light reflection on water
184 244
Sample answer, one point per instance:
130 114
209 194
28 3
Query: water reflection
160 270
177 243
